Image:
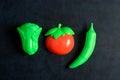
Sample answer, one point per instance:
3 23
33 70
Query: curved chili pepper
29 33
87 50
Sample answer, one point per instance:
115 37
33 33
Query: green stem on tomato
59 25
57 32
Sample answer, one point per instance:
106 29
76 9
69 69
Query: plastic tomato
59 40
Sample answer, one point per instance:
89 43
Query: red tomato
60 46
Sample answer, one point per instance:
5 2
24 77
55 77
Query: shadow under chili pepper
14 38
79 44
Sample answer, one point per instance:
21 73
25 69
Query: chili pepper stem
92 26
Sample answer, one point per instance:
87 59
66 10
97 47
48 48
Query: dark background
104 64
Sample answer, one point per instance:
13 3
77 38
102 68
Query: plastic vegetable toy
60 40
29 33
87 50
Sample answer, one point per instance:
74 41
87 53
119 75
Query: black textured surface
104 64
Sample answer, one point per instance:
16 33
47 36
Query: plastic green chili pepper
29 33
87 50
